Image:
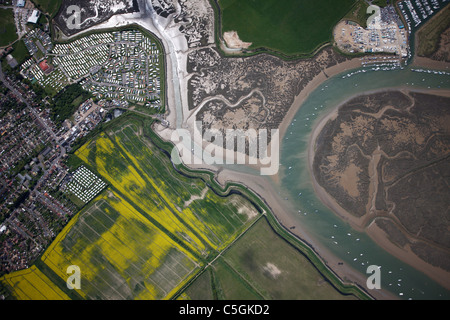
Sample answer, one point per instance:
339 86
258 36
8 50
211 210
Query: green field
48 6
358 13
290 26
20 52
67 101
428 36
7 27
261 265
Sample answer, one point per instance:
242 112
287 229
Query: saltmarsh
149 233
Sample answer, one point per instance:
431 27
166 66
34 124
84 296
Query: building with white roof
34 16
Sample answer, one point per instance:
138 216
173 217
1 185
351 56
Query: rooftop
34 17
43 65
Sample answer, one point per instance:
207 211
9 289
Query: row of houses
132 71
83 43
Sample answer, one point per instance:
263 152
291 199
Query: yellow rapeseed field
32 284
137 239
160 188
132 245
141 188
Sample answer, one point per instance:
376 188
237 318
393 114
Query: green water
353 248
